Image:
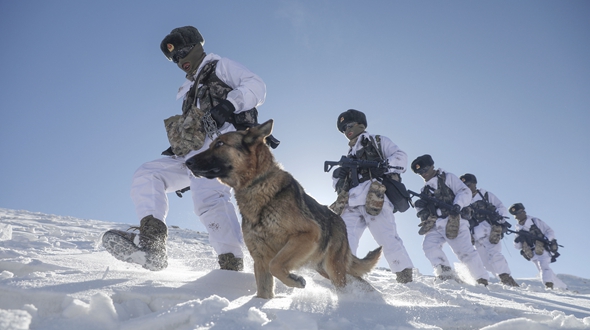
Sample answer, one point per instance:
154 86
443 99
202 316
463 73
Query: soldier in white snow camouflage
220 96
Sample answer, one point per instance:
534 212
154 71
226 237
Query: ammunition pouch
375 198
185 132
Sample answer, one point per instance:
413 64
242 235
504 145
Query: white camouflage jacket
461 191
389 150
545 229
483 229
249 91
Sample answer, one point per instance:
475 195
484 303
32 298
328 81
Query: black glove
222 112
467 213
456 210
421 203
378 172
553 246
340 173
519 239
423 214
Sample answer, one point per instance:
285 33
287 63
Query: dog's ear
266 127
259 132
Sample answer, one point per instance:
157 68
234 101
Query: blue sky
500 89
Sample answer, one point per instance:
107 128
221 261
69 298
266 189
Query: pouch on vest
185 132
375 198
397 194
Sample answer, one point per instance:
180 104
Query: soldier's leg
465 252
384 230
432 247
152 181
355 226
213 206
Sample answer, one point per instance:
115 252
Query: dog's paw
299 281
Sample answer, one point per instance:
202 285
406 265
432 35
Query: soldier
542 254
487 218
440 225
220 95
366 205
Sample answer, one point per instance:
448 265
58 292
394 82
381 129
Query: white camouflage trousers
490 254
383 229
211 199
461 246
543 263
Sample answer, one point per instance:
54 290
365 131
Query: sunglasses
177 55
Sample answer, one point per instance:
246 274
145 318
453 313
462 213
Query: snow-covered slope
54 274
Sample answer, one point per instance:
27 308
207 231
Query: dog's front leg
265 282
292 256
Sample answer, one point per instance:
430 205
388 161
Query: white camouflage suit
543 261
382 226
461 245
491 254
211 199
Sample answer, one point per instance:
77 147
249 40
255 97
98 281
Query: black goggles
422 169
348 125
177 55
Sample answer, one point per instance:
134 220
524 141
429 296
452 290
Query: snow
54 274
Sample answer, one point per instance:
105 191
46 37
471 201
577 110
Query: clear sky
500 89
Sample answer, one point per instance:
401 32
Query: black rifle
493 217
354 165
532 238
438 203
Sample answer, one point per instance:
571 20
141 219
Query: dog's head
235 158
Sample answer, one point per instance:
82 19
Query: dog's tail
360 267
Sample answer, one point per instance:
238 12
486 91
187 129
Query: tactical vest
212 91
370 151
442 193
187 131
483 204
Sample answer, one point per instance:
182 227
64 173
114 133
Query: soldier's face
472 186
428 173
520 215
352 130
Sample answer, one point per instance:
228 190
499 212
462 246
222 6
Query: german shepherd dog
283 227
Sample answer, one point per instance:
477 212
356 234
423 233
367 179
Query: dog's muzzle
192 164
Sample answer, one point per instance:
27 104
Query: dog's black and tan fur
283 227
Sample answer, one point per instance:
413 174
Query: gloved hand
467 213
340 173
553 246
456 210
519 239
378 172
421 203
222 112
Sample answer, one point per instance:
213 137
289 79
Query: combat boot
228 261
482 281
445 273
506 279
452 228
405 276
147 248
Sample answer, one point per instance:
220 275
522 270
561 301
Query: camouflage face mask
191 62
354 131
